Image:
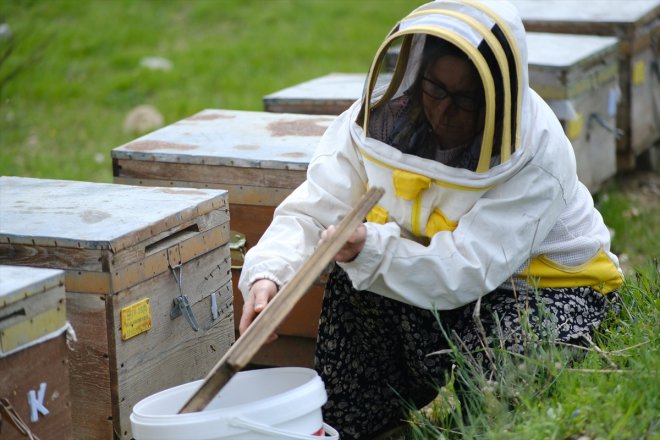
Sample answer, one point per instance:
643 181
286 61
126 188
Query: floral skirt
373 352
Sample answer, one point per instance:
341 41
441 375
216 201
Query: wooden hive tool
246 346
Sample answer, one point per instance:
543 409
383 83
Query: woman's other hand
261 292
353 245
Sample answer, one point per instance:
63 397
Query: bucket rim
246 410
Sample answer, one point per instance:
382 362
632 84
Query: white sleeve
489 244
335 182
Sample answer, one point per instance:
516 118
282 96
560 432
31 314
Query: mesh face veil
396 85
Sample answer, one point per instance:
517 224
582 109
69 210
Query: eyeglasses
460 100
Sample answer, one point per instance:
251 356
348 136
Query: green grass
633 214
63 113
79 74
611 392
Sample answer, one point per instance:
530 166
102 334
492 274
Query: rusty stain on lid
294 154
157 145
298 127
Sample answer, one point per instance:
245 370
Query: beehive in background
34 355
326 95
147 280
577 76
260 158
637 26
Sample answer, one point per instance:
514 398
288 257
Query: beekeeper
482 202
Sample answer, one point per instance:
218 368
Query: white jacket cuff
378 246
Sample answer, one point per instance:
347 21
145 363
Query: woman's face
458 117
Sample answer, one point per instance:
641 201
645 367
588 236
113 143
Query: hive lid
84 215
338 86
592 11
233 138
567 50
564 66
21 282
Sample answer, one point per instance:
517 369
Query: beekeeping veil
490 35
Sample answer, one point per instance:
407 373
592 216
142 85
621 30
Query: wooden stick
247 345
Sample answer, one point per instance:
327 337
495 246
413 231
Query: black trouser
373 353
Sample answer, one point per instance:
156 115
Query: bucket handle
279 433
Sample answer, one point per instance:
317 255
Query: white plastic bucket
274 403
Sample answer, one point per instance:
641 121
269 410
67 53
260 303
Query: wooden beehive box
577 76
259 158
123 248
327 95
637 26
34 357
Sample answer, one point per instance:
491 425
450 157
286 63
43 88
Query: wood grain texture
286 351
205 173
246 194
170 353
25 370
90 367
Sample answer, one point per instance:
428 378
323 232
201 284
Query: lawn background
62 114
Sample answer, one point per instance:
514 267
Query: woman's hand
261 292
352 247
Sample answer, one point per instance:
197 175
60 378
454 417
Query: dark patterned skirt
373 352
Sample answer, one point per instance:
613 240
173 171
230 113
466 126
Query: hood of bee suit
492 37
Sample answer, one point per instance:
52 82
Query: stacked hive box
34 357
327 95
576 74
637 26
148 287
259 158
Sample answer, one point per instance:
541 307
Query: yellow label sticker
639 73
574 127
135 319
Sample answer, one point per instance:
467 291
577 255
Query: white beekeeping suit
445 234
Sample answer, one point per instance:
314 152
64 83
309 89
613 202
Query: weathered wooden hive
260 158
147 279
577 76
34 354
637 26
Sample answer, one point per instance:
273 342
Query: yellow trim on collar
513 44
408 185
434 181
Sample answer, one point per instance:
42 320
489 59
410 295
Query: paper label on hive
638 73
135 319
574 128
